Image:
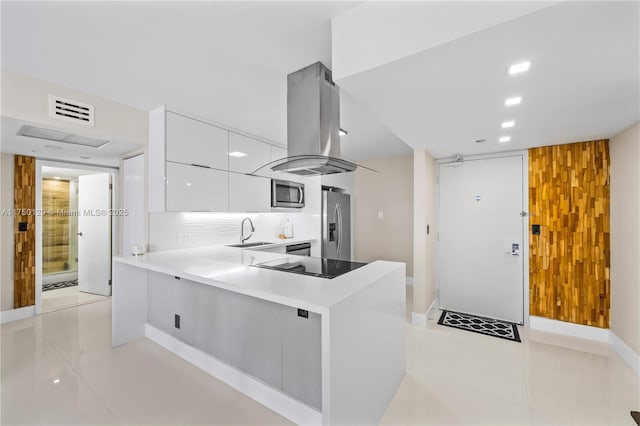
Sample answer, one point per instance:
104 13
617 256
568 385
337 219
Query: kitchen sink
261 243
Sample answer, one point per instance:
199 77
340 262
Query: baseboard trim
17 314
569 329
409 280
290 408
418 319
626 353
421 319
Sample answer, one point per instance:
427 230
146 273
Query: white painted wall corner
626 353
17 314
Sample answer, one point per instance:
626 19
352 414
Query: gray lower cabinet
213 321
301 356
267 340
257 347
167 297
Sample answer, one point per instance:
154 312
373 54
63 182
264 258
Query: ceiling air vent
60 136
68 110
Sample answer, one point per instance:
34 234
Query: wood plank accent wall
55 225
24 196
569 261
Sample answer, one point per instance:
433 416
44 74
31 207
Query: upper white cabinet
246 154
196 189
189 166
249 193
190 141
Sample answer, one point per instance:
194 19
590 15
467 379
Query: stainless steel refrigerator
336 225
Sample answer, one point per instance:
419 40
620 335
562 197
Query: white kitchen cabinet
257 343
191 141
191 188
167 297
249 193
213 322
256 154
302 355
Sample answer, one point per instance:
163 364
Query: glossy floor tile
59 368
61 298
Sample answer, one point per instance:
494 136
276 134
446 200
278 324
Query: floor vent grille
69 110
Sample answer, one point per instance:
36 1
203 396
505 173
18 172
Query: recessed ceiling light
504 139
342 132
507 124
513 101
520 67
237 154
56 381
188 183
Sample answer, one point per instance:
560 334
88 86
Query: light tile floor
59 368
62 298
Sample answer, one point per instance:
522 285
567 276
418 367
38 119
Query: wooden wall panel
570 259
55 225
24 196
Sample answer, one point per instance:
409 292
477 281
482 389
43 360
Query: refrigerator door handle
339 220
301 191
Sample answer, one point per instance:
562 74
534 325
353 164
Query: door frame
114 205
524 154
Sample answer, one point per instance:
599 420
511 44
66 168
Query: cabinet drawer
191 141
249 193
256 154
191 188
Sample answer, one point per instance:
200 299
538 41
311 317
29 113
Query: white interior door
94 234
480 239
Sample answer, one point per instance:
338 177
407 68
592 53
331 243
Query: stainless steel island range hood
313 124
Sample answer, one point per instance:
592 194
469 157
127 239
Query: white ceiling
583 83
225 61
228 61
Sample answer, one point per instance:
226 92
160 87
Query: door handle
515 250
79 234
300 190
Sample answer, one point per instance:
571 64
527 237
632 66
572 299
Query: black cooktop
314 266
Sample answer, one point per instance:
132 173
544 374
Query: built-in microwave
287 194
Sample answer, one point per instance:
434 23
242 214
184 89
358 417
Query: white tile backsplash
168 231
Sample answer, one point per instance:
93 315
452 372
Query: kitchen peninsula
315 350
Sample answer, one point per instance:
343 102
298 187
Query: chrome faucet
253 229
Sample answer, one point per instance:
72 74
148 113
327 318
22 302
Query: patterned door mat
62 284
488 326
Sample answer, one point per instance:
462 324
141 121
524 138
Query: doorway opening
76 238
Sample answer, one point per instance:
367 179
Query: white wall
6 223
26 98
424 213
624 149
388 191
168 231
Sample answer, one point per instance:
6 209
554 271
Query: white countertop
229 268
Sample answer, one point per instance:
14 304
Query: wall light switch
380 215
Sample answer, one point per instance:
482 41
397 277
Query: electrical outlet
380 215
176 321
